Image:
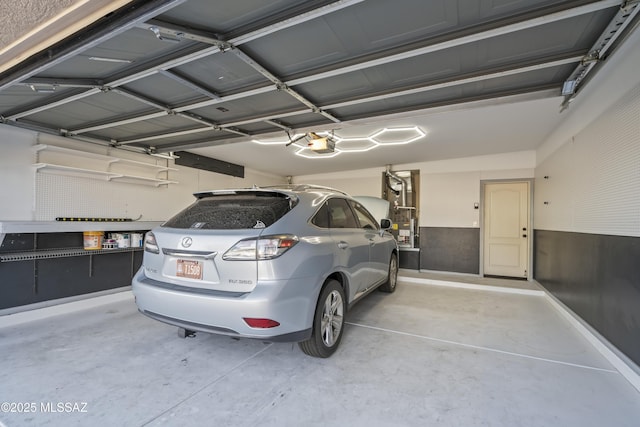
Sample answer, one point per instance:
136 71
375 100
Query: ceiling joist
493 74
311 98
164 65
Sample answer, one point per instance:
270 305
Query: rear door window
340 214
364 217
233 211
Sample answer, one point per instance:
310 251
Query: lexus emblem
186 242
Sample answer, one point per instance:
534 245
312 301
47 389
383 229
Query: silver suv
276 264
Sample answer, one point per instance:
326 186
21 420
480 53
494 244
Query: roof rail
290 187
305 187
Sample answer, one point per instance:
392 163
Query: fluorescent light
279 141
325 145
301 153
408 131
356 145
105 59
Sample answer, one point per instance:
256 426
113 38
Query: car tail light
150 244
261 323
266 247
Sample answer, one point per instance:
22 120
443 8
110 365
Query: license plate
189 269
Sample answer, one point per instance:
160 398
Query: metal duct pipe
402 183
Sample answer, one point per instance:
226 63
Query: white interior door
506 229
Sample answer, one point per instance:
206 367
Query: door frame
483 183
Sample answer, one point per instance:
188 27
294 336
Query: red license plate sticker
189 269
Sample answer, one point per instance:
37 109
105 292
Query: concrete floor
424 356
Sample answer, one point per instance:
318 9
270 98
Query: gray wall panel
450 249
598 277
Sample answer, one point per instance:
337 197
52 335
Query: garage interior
121 110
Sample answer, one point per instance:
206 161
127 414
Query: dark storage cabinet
46 261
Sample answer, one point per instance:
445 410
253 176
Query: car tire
392 278
328 322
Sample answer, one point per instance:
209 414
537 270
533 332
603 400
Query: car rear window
233 211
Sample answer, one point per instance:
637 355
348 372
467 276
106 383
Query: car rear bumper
291 303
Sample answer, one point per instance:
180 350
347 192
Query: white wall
360 182
618 75
30 195
17 182
447 199
448 188
593 183
593 159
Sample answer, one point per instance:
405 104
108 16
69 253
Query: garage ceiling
208 77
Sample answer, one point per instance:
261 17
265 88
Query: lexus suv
275 264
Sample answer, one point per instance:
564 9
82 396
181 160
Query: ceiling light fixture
43 89
279 141
105 59
398 136
316 145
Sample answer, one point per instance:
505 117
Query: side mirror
385 223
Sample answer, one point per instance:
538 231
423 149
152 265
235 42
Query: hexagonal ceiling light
383 137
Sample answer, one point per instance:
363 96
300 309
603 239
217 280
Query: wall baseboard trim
473 286
450 273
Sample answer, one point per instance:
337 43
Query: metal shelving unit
37 227
46 260
105 173
58 253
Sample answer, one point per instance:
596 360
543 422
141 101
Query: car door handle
343 245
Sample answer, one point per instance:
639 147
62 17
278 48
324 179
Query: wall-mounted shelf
85 154
142 180
7 227
58 253
73 171
105 172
